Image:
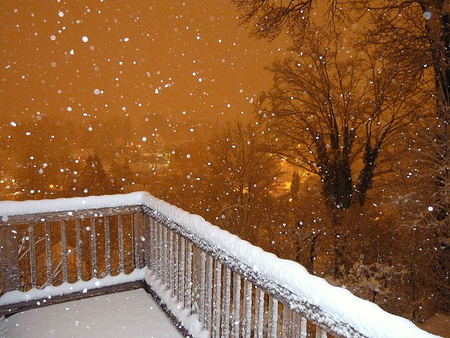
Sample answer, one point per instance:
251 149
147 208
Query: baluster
217 298
170 261
273 317
226 304
9 250
121 244
33 262
138 240
93 247
151 242
247 320
64 253
208 292
165 256
189 267
107 245
148 240
287 324
154 246
48 253
320 333
259 323
296 324
79 249
236 304
304 328
175 260
201 291
159 250
182 271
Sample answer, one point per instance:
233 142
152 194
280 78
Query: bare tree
417 34
419 28
331 114
245 174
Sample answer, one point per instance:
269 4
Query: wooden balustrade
53 248
195 278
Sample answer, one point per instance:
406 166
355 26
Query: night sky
93 59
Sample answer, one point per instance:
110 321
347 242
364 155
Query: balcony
209 282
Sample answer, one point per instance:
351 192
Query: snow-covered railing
212 283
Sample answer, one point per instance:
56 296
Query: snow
66 288
364 316
189 321
125 314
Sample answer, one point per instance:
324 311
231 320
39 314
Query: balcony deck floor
125 314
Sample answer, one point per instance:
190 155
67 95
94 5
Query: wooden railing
206 286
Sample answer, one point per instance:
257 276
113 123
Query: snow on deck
125 314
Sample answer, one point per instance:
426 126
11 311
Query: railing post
273 319
189 267
201 290
139 239
48 252
107 245
182 271
164 255
176 265
121 245
259 322
320 333
303 327
170 262
217 298
147 245
247 322
33 263
155 247
65 273
208 292
226 303
79 250
93 247
9 250
236 305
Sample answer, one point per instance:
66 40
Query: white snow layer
130 314
190 321
366 317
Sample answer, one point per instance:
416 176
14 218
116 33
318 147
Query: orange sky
96 58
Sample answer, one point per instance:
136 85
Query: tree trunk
337 223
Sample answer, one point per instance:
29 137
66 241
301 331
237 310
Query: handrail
213 283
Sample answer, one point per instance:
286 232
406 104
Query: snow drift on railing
366 317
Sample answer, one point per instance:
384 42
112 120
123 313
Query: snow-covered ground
128 314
